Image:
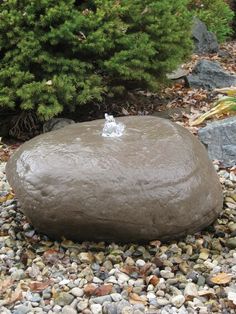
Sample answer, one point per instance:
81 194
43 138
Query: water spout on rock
112 128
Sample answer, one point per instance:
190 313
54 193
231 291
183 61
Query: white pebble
160 293
151 296
64 282
166 274
96 308
97 280
190 290
162 301
57 309
112 279
122 278
140 263
116 297
131 282
216 269
139 282
77 292
82 305
216 167
150 288
178 300
232 176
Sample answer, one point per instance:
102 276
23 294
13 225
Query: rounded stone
154 182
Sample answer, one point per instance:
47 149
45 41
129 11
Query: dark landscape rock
224 54
56 124
220 139
210 75
154 182
204 41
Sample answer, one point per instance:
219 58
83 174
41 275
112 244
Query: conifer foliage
59 54
217 15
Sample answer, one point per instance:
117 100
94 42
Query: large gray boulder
154 182
220 139
210 75
204 41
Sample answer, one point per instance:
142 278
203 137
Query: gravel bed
196 274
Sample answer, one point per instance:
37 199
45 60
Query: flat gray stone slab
177 74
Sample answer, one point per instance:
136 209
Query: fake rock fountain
144 178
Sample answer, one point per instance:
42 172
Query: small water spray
112 128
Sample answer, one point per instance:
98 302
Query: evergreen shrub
216 14
232 4
57 54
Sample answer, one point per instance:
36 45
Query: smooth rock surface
204 41
154 182
210 75
220 139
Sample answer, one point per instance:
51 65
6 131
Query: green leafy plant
224 105
232 4
57 55
217 15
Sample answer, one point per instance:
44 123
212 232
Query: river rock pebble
39 275
96 308
77 292
191 290
68 310
82 305
178 300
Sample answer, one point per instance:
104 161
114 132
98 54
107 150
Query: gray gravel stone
166 274
101 300
18 274
139 307
127 310
4 310
116 297
22 309
110 308
68 310
201 281
122 305
82 305
231 243
64 298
